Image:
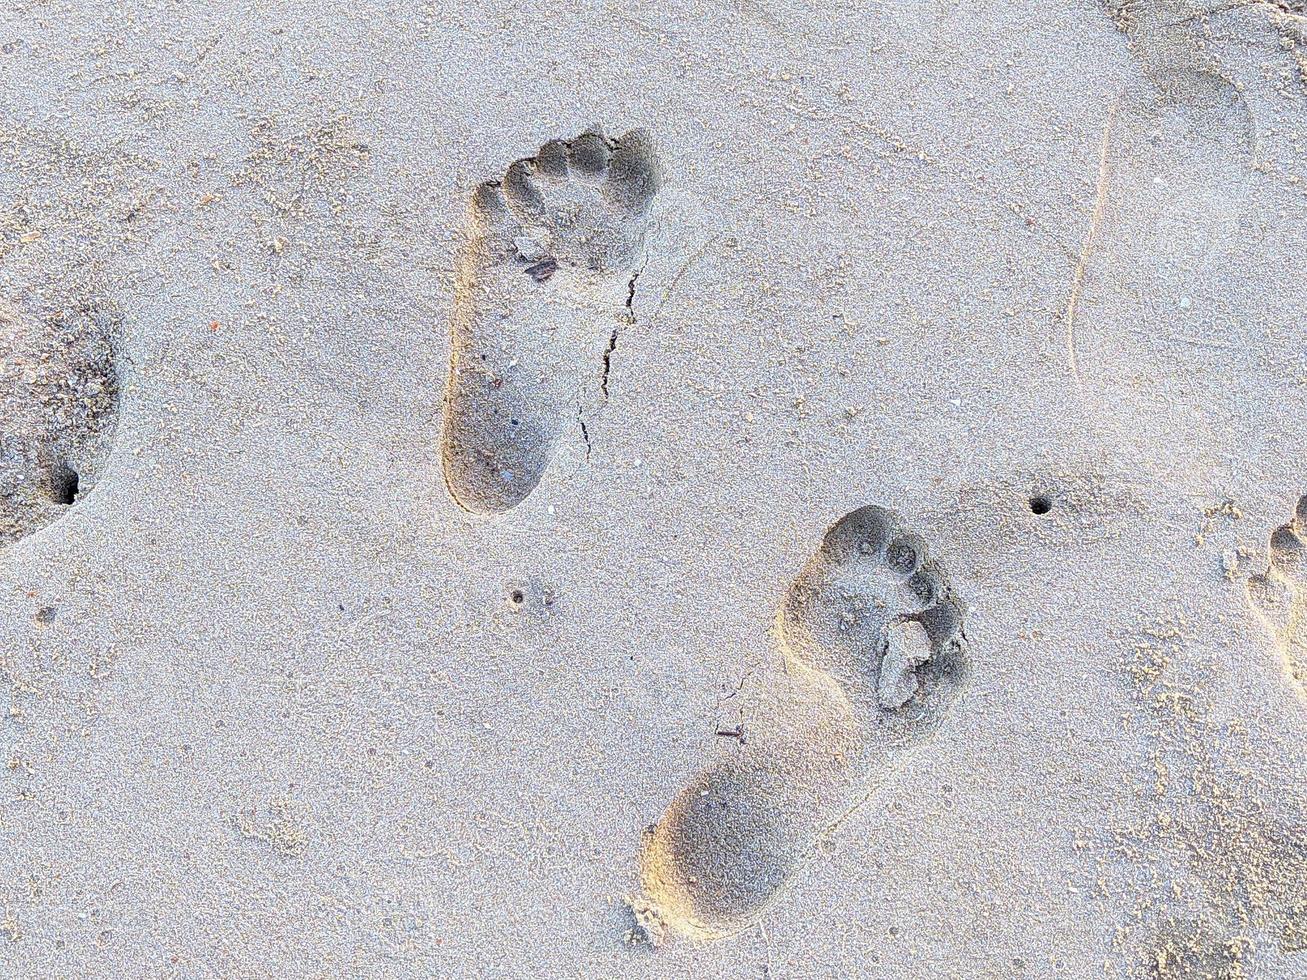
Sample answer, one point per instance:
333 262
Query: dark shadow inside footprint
495 449
729 840
851 613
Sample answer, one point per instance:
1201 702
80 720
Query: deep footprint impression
1279 597
58 413
547 271
871 635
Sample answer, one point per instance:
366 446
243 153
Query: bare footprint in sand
58 412
548 269
1165 291
1279 597
871 636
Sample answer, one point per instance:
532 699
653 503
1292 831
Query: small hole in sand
63 484
1041 504
517 597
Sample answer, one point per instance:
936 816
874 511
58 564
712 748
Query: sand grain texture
1027 277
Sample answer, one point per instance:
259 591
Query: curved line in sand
1091 237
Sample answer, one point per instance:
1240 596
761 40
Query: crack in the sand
608 358
617 330
585 432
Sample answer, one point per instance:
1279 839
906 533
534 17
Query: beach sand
832 511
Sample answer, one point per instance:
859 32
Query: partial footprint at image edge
1279 595
873 629
546 272
59 394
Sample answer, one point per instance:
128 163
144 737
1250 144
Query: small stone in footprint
907 648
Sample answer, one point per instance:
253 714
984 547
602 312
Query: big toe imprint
1279 596
547 268
872 635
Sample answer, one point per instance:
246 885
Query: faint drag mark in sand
1091 236
548 271
871 639
1279 596
58 412
1211 879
